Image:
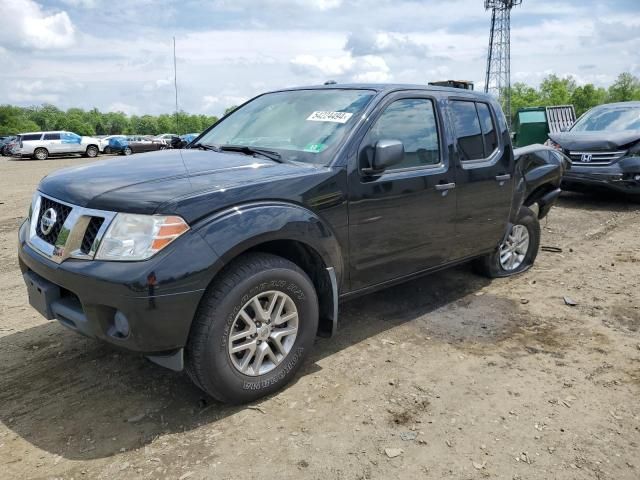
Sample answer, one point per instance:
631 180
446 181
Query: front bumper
619 176
157 297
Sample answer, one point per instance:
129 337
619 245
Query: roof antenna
330 82
175 83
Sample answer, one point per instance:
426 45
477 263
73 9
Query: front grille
90 234
62 212
596 158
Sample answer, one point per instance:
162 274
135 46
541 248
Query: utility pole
175 83
498 76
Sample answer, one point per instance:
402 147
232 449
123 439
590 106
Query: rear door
401 221
52 142
484 175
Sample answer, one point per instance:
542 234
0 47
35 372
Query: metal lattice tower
498 77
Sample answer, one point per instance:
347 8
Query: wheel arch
287 230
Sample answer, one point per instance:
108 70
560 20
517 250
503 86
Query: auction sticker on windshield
337 117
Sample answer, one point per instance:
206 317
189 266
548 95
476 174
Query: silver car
41 145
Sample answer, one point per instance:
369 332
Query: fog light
637 178
121 325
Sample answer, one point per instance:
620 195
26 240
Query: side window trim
409 95
495 129
479 162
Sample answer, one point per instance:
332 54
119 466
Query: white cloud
362 43
325 65
90 4
124 108
26 25
211 102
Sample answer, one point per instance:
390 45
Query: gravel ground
449 376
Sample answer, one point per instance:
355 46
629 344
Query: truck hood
595 140
141 183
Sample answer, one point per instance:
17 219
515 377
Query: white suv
41 145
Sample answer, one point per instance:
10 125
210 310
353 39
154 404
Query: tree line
554 90
94 122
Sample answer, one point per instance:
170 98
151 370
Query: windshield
300 125
609 119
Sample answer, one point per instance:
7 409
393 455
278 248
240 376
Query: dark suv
604 146
228 257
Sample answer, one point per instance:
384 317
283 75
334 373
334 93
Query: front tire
107 150
40 154
253 329
127 151
517 252
92 151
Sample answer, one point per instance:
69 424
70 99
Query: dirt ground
449 376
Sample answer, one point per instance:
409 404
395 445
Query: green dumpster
533 124
530 126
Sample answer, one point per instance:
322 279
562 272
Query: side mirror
387 153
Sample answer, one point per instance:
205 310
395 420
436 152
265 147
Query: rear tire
519 250
107 150
92 151
40 154
270 306
127 151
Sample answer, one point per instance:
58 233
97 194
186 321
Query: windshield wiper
270 154
204 146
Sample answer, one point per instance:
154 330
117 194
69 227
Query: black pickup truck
228 257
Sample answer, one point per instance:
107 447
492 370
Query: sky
117 55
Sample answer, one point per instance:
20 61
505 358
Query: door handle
503 178
445 186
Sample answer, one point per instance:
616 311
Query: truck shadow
80 399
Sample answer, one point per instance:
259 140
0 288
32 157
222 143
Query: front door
401 221
484 175
71 143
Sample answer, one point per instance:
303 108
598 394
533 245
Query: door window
468 131
488 129
32 136
51 136
69 137
475 130
413 122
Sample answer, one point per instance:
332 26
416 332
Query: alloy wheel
514 249
263 333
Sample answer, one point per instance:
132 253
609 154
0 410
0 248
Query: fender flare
235 230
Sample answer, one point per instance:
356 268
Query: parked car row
42 145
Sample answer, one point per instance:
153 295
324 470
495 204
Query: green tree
557 91
522 96
625 88
15 120
588 96
46 116
166 123
116 123
230 109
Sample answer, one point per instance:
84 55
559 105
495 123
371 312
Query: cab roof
392 87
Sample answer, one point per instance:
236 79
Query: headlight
138 237
552 144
